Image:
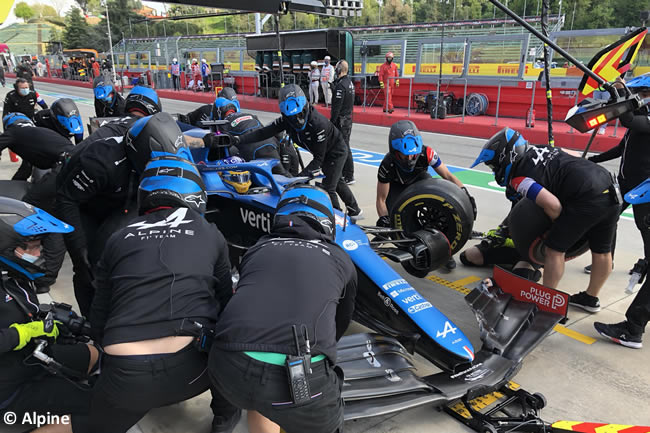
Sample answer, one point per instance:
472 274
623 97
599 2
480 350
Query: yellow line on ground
574 334
452 285
467 280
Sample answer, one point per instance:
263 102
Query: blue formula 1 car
379 372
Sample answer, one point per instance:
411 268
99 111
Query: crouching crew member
407 162
25 385
164 272
45 150
300 273
581 199
97 187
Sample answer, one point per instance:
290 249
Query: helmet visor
103 93
408 145
72 124
293 105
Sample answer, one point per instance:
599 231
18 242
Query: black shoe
585 301
619 333
222 424
355 214
42 289
390 111
588 269
349 180
451 264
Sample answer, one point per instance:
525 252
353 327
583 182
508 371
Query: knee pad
465 261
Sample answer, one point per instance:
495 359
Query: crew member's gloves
310 174
381 84
383 221
473 201
27 331
396 83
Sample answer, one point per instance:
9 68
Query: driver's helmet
13 119
171 181
67 119
228 93
154 136
294 106
405 142
500 152
103 90
640 83
237 180
311 204
144 100
222 107
21 223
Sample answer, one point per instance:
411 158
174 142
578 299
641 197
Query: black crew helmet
311 204
171 181
144 100
20 223
404 138
154 136
104 91
228 93
222 107
67 118
13 119
294 106
500 152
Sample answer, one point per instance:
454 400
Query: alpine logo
172 221
448 328
8 298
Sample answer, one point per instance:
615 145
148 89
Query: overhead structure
266 6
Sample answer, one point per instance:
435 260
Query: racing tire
435 204
429 253
15 189
528 226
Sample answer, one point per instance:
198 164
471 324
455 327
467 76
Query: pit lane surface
583 377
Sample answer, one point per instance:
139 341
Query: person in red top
386 71
95 67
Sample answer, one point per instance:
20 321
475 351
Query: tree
43 10
23 11
76 32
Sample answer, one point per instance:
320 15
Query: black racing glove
473 201
383 221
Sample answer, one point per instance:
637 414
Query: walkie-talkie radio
297 368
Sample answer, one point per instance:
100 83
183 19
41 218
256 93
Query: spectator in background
314 80
95 67
40 69
326 78
205 74
387 72
2 73
176 74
